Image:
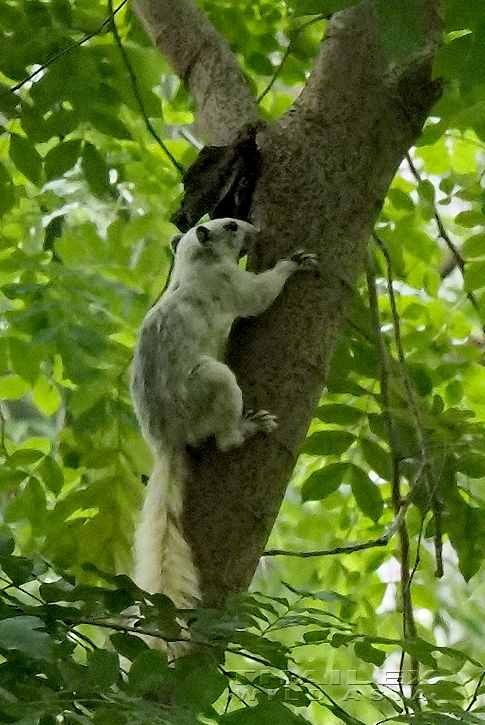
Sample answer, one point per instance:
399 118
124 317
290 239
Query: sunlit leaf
323 482
13 387
328 442
367 494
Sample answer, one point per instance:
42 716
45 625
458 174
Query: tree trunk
326 166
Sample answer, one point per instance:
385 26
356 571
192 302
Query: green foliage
400 27
85 198
55 627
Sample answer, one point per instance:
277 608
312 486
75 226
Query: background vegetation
86 193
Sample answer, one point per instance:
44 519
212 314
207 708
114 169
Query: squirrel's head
216 238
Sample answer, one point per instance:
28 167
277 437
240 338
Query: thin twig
3 447
429 473
400 683
276 73
345 548
336 708
231 692
293 675
58 55
409 625
136 90
475 694
417 558
10 585
287 52
76 621
384 377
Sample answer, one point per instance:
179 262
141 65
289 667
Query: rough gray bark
204 61
327 164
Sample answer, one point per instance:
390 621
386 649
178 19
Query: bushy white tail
163 559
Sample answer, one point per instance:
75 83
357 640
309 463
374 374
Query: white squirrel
183 393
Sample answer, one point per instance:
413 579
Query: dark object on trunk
221 181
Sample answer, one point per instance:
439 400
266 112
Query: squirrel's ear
174 242
203 234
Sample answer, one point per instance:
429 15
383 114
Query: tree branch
348 548
363 59
203 60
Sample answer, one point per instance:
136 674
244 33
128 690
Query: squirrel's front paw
306 261
263 420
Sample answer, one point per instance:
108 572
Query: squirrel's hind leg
217 407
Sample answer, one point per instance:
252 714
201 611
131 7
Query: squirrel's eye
231 226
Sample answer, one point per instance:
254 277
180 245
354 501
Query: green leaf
109 125
96 171
400 199
274 652
24 457
474 247
7 546
474 276
459 521
32 291
316 636
102 671
366 493
471 463
21 634
57 591
13 387
128 645
26 158
323 482
9 101
266 713
30 504
368 653
421 379
62 11
26 359
117 600
427 191
470 218
328 443
148 672
62 158
46 396
376 458
52 474
201 687
260 63
18 569
339 414
88 339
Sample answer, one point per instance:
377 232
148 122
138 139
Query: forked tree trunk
326 166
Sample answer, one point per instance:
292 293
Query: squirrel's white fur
182 391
